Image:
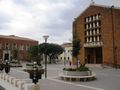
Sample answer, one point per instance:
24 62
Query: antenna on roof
92 2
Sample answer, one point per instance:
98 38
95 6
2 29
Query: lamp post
35 73
45 37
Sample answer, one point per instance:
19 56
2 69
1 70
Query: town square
59 44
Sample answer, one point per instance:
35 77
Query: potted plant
30 70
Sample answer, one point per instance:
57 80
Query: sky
36 18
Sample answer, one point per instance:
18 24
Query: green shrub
29 64
82 67
69 69
15 61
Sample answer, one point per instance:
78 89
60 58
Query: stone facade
99 31
10 43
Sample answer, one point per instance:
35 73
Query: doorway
94 55
6 56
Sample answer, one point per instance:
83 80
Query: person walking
70 62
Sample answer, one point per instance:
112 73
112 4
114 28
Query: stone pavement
107 79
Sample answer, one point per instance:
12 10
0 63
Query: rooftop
16 37
66 45
98 5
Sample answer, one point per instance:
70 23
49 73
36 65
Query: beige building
67 54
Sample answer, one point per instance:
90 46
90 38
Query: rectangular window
14 46
21 47
7 46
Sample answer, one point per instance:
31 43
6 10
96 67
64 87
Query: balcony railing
93 44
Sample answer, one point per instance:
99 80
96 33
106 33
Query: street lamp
35 73
45 37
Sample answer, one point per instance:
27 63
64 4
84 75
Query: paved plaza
107 79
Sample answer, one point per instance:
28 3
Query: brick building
12 42
98 29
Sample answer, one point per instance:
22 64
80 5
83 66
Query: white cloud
21 19
35 18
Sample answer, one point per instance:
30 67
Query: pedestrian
7 66
78 63
70 62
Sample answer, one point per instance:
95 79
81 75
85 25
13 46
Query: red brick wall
23 54
117 34
107 36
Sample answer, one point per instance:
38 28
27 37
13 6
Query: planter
77 73
31 67
15 65
31 72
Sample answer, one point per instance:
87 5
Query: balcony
93 44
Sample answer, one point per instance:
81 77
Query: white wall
67 55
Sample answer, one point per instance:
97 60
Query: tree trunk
76 61
50 60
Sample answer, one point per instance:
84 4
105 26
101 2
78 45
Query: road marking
85 86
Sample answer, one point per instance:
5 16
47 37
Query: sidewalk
1 88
